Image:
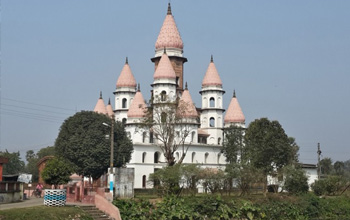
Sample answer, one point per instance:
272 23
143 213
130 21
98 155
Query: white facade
147 155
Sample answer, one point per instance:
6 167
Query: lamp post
111 174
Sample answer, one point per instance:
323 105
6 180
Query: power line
32 103
21 107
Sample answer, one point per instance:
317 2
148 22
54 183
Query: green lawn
45 213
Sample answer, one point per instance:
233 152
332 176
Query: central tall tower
169 39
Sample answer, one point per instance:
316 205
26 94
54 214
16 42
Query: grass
44 213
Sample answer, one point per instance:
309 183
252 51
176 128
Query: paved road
33 202
26 203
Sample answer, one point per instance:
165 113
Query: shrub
296 181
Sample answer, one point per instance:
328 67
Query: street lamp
111 176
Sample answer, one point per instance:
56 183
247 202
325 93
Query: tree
82 141
339 168
167 179
15 165
268 147
233 143
171 128
326 166
32 159
57 172
296 180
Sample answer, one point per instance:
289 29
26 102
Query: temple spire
169 9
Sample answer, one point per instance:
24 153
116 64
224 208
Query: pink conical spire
211 77
109 109
100 106
126 78
164 69
138 106
169 35
186 106
234 112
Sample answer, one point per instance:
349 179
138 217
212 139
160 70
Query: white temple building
204 124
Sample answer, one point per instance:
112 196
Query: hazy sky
288 61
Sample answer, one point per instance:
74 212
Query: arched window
219 141
124 121
212 102
144 181
219 155
151 137
212 122
206 157
193 157
163 96
156 157
144 134
143 157
124 102
192 136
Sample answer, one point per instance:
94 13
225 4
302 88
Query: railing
9 187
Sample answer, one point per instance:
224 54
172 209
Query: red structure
3 160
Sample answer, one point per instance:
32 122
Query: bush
296 181
328 186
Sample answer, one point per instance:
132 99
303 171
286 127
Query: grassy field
45 213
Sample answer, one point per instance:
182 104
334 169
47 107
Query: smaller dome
100 106
109 109
138 106
234 112
126 78
186 107
164 69
211 77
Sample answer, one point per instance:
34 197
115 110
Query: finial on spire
234 93
100 94
138 87
109 101
169 9
211 59
186 86
126 60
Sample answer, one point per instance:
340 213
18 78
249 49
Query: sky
287 60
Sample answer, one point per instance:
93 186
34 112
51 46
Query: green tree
326 166
15 165
33 159
191 174
233 143
339 168
82 141
167 179
296 180
46 151
57 172
268 147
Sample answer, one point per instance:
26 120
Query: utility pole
318 160
111 174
